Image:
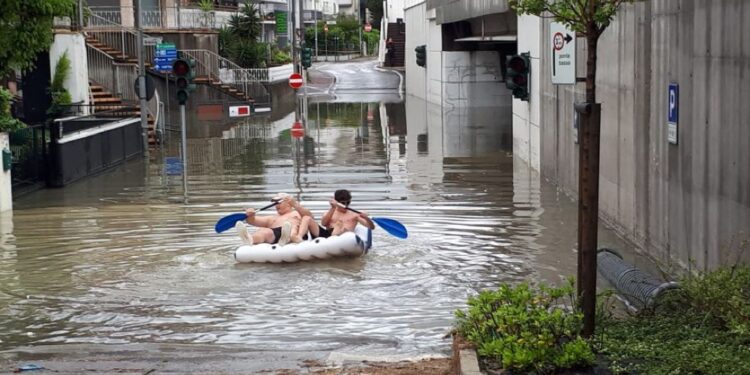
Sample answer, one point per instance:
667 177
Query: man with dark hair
336 221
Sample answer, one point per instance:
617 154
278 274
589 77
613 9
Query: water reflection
122 258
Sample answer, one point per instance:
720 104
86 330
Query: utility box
7 160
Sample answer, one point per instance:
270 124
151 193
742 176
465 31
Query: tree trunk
588 191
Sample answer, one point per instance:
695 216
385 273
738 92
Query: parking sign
673 112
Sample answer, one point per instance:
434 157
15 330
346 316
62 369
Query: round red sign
368 27
297 130
295 80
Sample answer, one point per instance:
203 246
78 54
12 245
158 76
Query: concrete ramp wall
687 202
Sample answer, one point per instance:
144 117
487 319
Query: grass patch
700 329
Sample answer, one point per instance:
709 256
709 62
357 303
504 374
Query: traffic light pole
183 128
142 82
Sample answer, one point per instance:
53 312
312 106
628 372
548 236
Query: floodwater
129 257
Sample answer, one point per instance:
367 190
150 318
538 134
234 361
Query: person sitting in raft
336 221
274 229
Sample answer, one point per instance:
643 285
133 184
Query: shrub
723 293
60 96
526 329
7 122
699 329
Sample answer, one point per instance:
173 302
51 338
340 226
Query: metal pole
295 53
142 82
316 29
183 128
301 27
178 14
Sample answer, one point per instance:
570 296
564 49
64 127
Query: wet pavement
123 271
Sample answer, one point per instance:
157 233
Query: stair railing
117 78
225 71
118 37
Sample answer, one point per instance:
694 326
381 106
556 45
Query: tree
589 19
27 30
376 11
247 24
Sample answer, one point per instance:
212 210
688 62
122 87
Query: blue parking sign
673 112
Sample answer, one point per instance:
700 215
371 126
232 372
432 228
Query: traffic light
306 57
184 70
517 71
421 55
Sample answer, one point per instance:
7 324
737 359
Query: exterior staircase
397 32
105 104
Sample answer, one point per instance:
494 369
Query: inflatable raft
349 244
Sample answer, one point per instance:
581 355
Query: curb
400 76
465 360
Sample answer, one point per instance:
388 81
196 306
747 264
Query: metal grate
639 288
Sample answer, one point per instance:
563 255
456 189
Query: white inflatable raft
351 244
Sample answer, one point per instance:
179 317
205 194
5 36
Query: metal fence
29 149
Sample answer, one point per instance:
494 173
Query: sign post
563 54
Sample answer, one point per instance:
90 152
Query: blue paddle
389 225
229 221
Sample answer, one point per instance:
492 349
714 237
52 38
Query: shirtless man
337 220
274 228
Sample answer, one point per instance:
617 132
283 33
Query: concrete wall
688 202
394 10
526 115
77 82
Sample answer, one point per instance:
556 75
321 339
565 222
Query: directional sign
295 80
563 54
164 57
673 112
239 111
151 40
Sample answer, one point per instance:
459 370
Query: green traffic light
182 96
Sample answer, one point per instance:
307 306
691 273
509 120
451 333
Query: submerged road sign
563 54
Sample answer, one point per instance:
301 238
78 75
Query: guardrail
118 37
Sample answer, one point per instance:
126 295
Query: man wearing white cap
274 228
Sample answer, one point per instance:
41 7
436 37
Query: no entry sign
368 27
297 130
295 80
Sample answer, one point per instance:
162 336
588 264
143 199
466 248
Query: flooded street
128 257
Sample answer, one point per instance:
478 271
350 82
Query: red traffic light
181 68
518 64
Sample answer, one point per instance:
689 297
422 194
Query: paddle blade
391 226
228 222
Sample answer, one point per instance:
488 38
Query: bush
699 329
724 294
60 96
526 329
7 122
